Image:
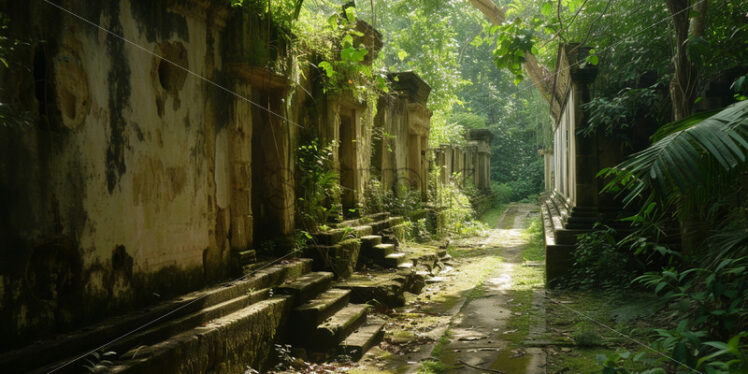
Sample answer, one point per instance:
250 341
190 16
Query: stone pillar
240 151
415 91
349 168
423 152
414 161
480 139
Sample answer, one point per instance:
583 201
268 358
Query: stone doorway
272 181
347 157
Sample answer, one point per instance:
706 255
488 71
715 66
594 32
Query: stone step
307 286
234 341
369 241
569 237
361 231
380 251
245 257
341 258
407 265
551 207
372 250
62 348
380 226
329 237
361 340
174 327
386 223
394 221
377 216
336 328
383 289
310 314
365 220
394 260
335 236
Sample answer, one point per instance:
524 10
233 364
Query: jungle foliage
660 61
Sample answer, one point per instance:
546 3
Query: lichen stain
119 86
157 22
153 182
71 83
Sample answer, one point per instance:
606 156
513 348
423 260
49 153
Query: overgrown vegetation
599 262
458 213
687 187
318 188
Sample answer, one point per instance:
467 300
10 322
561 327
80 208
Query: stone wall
149 161
400 154
468 167
135 178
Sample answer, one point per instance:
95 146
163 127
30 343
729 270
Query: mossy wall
135 179
118 193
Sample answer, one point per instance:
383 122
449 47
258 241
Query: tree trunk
683 85
683 92
540 75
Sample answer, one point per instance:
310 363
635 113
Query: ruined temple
160 157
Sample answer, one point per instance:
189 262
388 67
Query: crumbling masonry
150 173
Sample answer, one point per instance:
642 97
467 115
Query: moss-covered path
479 314
503 311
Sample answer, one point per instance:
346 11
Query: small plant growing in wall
318 188
347 69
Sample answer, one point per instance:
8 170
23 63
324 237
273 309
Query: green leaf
332 22
547 10
350 14
329 71
402 55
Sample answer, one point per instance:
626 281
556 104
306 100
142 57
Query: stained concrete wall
134 178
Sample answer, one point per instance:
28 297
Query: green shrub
598 262
504 193
318 191
459 216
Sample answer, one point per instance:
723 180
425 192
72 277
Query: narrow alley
374 186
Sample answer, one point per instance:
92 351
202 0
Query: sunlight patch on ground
503 282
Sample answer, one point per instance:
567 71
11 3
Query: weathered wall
468 167
402 123
137 180
134 179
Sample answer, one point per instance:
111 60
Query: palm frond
680 160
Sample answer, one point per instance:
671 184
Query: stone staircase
370 240
563 224
325 324
229 327
382 248
221 329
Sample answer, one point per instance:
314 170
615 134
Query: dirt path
477 315
486 332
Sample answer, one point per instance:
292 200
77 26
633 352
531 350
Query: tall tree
683 85
539 74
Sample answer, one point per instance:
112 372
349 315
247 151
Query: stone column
423 153
240 151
